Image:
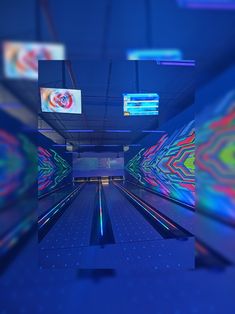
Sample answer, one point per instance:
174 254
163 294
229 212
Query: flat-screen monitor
61 100
21 58
141 104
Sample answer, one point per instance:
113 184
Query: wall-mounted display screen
21 58
61 100
141 104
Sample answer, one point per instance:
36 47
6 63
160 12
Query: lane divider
169 226
101 229
43 220
101 212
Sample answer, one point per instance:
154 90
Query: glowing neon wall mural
215 159
18 178
54 167
17 161
167 166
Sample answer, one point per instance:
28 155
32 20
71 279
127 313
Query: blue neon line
153 131
59 145
78 131
59 204
101 214
118 131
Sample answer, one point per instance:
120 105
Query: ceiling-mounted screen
141 104
21 58
61 100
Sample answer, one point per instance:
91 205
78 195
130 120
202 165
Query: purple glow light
153 131
46 130
110 145
59 145
178 63
216 5
118 131
78 131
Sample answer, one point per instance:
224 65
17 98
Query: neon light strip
225 6
150 213
60 145
153 131
101 213
118 131
152 209
154 212
87 145
207 4
134 145
144 207
179 63
46 130
110 145
54 208
94 145
78 131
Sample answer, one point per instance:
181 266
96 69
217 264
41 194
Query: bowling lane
127 223
193 221
50 200
74 226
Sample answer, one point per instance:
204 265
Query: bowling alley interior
117 156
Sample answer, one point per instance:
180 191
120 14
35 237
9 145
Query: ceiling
102 84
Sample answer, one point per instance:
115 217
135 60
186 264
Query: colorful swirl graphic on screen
21 58
53 170
27 60
168 166
60 100
216 159
17 166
